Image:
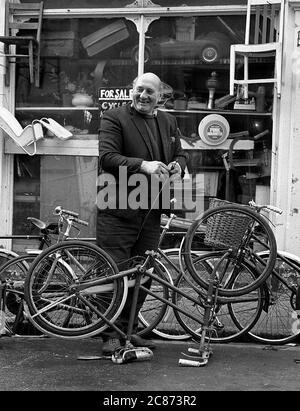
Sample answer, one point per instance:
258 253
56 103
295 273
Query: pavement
42 363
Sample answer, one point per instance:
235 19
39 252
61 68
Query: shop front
90 53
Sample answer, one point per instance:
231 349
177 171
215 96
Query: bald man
141 143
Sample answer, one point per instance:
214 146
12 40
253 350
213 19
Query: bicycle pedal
125 355
191 363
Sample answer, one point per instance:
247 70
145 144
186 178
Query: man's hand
155 167
174 170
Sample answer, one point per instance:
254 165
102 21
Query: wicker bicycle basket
225 230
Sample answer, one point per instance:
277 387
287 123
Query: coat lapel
164 132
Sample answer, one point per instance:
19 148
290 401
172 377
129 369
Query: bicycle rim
278 323
236 231
224 327
53 305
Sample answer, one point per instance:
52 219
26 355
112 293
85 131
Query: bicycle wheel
224 327
57 307
15 271
153 310
6 255
278 323
238 232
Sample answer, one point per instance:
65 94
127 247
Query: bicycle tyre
225 328
58 311
217 229
6 255
278 323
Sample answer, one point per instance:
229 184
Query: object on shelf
180 104
104 38
59 44
213 129
22 137
196 103
212 84
248 104
59 131
224 101
82 100
257 125
260 99
165 95
191 140
208 47
185 28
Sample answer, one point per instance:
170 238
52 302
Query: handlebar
71 215
269 207
60 210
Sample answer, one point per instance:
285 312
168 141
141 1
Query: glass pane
42 183
78 56
191 55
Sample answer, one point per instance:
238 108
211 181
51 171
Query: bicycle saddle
50 227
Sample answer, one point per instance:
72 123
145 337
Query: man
135 140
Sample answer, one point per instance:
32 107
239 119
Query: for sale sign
113 97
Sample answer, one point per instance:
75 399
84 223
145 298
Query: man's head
146 92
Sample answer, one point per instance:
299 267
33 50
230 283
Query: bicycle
87 299
14 271
278 322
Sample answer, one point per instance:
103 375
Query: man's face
146 94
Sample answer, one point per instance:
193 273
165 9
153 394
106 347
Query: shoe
110 346
138 341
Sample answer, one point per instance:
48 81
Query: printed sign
113 97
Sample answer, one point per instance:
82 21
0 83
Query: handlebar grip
275 209
82 222
59 209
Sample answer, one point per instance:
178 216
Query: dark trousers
124 238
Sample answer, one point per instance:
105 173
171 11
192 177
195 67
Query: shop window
191 56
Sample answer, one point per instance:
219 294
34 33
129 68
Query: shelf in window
216 111
224 62
170 110
42 108
80 145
